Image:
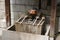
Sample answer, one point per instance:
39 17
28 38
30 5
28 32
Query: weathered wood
44 4
53 17
39 4
28 28
8 14
10 35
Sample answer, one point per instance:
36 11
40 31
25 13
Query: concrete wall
2 8
2 14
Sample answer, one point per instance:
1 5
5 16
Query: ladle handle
19 19
23 19
40 21
47 32
35 20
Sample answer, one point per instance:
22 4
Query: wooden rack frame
52 18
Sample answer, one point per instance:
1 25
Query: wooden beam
7 11
53 17
39 4
44 4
